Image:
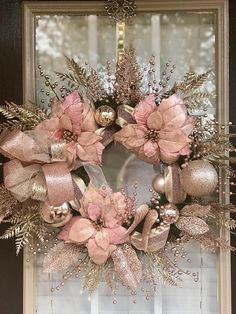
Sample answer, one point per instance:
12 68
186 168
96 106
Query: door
11 89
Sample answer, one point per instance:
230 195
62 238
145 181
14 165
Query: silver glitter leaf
192 225
61 257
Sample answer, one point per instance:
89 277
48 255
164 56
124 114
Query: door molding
220 8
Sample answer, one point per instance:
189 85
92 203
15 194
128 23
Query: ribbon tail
141 212
19 180
150 219
95 174
59 183
125 115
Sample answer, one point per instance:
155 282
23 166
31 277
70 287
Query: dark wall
11 283
11 275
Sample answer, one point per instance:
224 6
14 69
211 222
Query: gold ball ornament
56 216
105 115
158 183
169 213
199 178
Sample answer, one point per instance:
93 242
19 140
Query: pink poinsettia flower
100 225
77 117
160 133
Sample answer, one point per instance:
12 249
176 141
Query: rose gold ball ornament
158 183
199 178
105 115
56 216
169 213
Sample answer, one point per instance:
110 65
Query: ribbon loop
59 182
27 147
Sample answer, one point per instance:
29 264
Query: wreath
54 188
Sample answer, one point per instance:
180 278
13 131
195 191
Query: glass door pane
186 39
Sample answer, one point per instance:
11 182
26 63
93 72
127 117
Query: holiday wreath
54 188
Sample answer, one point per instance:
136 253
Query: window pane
188 40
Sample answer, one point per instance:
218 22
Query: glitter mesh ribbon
50 181
59 183
28 147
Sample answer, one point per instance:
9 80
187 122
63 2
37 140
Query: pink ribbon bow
30 172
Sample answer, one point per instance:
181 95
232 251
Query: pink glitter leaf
61 257
192 225
127 265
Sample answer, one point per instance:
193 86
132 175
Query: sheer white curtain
188 39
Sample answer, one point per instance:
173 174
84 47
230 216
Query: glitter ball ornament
158 183
169 213
105 116
199 178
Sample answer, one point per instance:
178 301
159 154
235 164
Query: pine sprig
221 220
92 277
192 81
71 80
197 98
26 223
109 275
24 117
128 79
87 79
7 202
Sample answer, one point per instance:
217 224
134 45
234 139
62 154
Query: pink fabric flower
161 133
100 224
77 117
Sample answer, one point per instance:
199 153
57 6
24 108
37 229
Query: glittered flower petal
102 239
98 255
144 108
94 211
150 149
155 121
81 231
118 235
132 136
